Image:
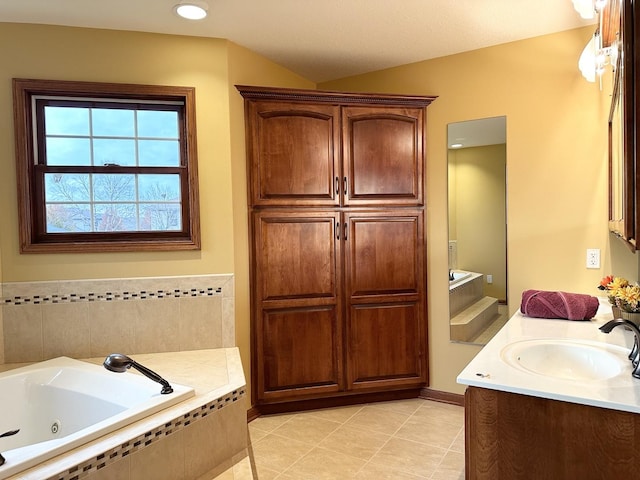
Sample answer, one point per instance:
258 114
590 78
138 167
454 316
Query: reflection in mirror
477 154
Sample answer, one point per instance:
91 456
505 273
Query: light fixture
456 145
595 58
192 9
588 8
587 61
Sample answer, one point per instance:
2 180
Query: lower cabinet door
299 353
385 346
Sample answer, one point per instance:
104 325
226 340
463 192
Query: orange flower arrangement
621 294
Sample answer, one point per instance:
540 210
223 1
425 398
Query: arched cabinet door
295 151
383 155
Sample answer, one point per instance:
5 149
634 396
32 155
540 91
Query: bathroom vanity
553 399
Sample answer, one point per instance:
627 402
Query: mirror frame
618 21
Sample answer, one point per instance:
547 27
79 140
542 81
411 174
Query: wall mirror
477 154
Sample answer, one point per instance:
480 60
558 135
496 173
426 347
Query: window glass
66 121
109 122
68 151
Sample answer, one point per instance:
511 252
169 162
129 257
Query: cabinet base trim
340 401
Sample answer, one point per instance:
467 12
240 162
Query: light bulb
192 10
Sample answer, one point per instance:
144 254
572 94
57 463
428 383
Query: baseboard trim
339 401
444 397
252 414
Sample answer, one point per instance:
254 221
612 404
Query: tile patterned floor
402 440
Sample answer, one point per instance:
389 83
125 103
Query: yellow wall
556 168
212 66
477 213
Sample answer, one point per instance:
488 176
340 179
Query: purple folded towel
571 306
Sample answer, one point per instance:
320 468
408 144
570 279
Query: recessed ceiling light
192 10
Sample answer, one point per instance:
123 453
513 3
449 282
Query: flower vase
631 316
617 311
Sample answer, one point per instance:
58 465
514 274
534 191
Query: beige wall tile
22 333
114 471
228 322
234 422
156 327
65 330
205 445
130 326
162 460
112 327
200 322
30 289
84 287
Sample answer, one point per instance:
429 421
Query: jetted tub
461 277
62 403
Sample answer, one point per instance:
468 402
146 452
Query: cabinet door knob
345 230
345 186
337 185
338 230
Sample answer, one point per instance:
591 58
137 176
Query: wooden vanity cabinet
519 437
336 200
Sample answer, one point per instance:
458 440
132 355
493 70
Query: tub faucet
451 277
634 356
7 434
117 362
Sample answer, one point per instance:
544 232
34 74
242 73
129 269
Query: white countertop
489 370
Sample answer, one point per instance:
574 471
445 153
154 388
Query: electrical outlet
489 278
593 258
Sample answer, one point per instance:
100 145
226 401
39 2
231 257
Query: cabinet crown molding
332 97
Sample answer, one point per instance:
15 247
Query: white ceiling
322 39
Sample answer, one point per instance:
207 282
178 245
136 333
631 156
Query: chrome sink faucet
634 355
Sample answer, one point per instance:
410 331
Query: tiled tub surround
201 436
92 318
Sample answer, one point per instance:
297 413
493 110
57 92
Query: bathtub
63 403
460 277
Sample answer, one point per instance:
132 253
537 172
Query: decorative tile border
110 296
108 457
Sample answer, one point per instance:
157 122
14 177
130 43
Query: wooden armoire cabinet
338 281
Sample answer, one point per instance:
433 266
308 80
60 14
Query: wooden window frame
31 202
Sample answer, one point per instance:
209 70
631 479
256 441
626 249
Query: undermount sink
566 359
